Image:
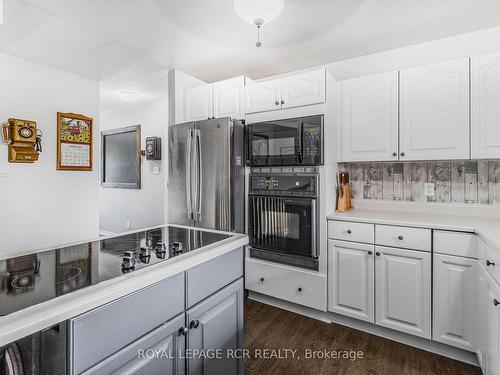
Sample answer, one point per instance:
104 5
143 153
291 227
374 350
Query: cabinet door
198 103
493 329
403 290
160 352
453 292
217 324
263 96
370 118
351 275
434 111
481 317
229 98
304 89
485 91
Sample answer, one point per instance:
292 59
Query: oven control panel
292 184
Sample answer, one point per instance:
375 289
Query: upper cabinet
219 99
293 91
485 90
434 111
370 118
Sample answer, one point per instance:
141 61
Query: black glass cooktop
31 279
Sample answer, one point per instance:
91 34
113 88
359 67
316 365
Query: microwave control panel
312 140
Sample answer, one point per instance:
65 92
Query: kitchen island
166 288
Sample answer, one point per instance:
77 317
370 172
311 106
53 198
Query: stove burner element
24 281
66 273
128 261
177 247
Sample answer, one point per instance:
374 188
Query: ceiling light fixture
129 96
258 12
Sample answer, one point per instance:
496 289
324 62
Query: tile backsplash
466 181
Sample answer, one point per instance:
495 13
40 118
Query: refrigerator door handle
189 193
199 171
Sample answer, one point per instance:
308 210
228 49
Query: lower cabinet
351 274
403 290
216 331
160 352
454 291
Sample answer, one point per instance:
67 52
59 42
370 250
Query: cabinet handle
282 102
377 254
394 154
400 237
495 302
349 231
402 154
277 102
370 252
183 331
194 324
488 263
261 279
299 289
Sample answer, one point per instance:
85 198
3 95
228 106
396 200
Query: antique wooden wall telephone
24 140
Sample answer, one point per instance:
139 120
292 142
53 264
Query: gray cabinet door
160 352
216 324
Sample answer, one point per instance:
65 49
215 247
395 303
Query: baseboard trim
403 338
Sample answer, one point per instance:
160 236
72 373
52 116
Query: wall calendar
74 142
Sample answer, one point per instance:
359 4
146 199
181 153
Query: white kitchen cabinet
493 329
434 111
198 103
481 317
403 290
303 89
263 96
370 118
293 91
454 291
485 99
220 99
229 98
351 279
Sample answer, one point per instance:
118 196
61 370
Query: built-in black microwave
297 141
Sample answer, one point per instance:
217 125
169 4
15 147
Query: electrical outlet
129 225
429 189
156 170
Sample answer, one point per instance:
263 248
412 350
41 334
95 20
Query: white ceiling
130 44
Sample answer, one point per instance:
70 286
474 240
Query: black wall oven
283 219
291 142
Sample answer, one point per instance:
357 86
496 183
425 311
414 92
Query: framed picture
74 142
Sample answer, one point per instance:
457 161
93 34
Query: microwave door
180 163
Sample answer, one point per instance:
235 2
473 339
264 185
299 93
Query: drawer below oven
306 288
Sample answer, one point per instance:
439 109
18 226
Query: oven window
282 224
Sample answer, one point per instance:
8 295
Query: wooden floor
267 327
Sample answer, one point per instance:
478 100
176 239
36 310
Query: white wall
41 206
142 207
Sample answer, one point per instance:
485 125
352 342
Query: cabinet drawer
301 287
492 263
405 237
349 231
456 243
99 333
209 277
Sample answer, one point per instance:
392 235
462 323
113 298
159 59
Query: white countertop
46 314
484 222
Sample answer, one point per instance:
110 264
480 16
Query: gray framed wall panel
104 331
217 323
209 277
136 359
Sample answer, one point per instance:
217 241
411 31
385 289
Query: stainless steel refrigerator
206 181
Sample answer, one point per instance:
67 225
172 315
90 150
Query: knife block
344 203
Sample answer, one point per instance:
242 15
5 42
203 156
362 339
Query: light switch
156 170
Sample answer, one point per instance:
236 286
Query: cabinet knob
183 331
194 324
377 253
495 302
394 154
282 102
488 263
299 289
277 102
402 154
370 252
349 231
261 279
400 237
